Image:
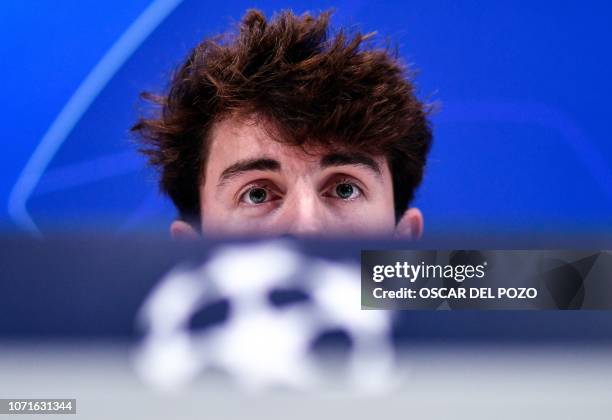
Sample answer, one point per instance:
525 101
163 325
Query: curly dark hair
335 90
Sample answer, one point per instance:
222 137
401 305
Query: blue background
521 131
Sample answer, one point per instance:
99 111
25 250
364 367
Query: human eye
257 195
344 189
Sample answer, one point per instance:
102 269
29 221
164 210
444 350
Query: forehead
233 139
237 138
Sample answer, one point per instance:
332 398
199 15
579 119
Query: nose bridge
304 210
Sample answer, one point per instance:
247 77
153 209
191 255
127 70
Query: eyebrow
246 165
338 159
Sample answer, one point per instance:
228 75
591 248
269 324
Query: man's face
253 184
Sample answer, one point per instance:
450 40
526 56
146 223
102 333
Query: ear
410 226
183 231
